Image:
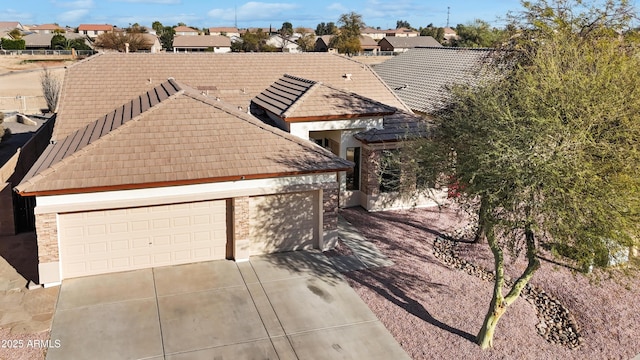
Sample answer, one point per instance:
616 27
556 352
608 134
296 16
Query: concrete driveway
283 306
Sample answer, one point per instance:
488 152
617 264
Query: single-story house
230 32
401 32
402 44
93 30
43 40
420 76
375 34
284 45
201 43
185 31
10 25
367 44
47 29
174 158
153 43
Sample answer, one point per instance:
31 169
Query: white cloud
72 16
11 14
77 4
253 11
159 2
338 7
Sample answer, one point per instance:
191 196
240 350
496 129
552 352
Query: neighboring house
322 43
367 44
10 25
43 41
94 30
402 44
5 34
401 32
375 34
450 34
230 32
143 171
185 31
420 76
47 29
284 45
154 45
201 43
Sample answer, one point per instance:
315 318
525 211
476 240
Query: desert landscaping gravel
435 311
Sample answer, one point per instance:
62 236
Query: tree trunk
482 213
499 303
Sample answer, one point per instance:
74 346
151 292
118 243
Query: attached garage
284 222
97 242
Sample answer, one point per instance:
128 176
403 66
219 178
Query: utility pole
448 12
235 16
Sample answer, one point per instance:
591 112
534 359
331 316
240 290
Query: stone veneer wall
47 234
330 209
370 181
241 228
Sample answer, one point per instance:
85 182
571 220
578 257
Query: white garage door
283 222
125 239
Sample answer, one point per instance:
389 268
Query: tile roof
236 77
44 40
420 76
223 29
296 99
95 27
9 25
46 27
411 42
201 41
184 29
172 135
398 126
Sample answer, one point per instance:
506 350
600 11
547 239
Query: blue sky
260 13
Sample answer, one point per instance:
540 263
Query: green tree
60 42
478 34
348 39
403 24
435 32
9 44
329 28
253 42
157 27
166 37
548 142
306 41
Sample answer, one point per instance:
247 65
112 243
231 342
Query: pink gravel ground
23 346
435 312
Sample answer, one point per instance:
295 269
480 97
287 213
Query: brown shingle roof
223 29
296 99
172 135
184 29
95 27
411 42
238 77
47 27
201 41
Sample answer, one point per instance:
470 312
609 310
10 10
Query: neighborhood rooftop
232 78
172 135
420 76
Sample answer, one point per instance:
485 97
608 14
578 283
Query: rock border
556 325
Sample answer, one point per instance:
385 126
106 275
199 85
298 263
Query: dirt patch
435 311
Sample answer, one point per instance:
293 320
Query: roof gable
296 99
172 135
201 41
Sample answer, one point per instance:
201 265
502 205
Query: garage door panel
127 239
282 222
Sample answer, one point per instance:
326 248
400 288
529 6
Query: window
353 175
389 172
